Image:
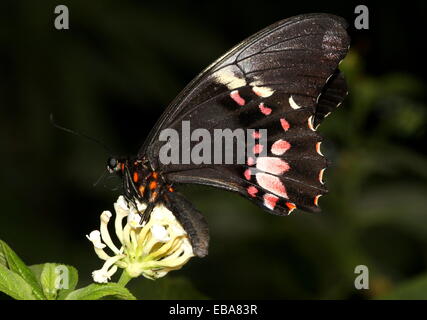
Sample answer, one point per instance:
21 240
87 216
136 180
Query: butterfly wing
283 79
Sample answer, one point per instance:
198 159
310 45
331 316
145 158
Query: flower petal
95 238
105 218
160 233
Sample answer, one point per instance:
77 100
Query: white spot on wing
321 176
316 200
262 91
310 123
318 148
229 79
293 104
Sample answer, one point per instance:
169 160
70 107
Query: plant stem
124 278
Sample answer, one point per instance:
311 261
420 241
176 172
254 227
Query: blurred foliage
112 74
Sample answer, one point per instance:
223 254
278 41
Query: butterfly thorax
140 181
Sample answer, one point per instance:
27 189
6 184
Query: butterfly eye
112 164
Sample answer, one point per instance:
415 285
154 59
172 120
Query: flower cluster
150 249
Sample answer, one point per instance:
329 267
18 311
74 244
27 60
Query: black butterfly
284 79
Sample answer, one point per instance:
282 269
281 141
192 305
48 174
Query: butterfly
284 79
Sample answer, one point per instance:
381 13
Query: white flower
160 233
151 249
95 238
134 219
102 276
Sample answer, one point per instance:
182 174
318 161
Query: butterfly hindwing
290 171
332 96
283 79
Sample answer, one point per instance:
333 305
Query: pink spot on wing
270 200
252 191
285 124
265 110
251 161
272 165
256 135
247 174
258 148
280 147
272 184
237 98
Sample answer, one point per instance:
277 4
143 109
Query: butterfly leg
152 201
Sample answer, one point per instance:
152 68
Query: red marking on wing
291 206
272 165
265 110
237 98
251 161
258 148
280 147
256 135
252 191
135 177
270 200
247 174
141 190
152 185
285 124
272 184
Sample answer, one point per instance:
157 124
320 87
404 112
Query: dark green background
113 73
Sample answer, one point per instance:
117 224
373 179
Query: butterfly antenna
101 177
79 134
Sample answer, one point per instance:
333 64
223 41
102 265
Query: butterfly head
115 164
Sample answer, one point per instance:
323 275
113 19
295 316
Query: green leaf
57 280
37 269
49 279
73 278
14 286
15 264
415 289
98 291
3 261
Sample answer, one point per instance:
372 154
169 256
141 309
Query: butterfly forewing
283 79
